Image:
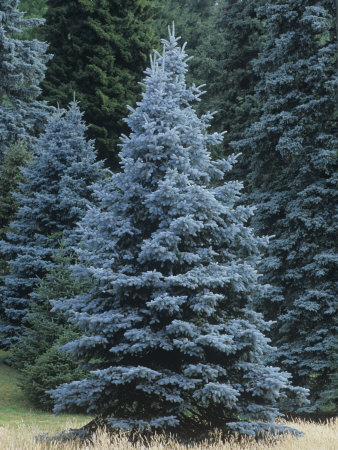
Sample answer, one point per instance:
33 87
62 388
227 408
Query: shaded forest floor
20 423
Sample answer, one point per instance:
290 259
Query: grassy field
20 423
15 410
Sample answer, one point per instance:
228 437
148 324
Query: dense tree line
148 276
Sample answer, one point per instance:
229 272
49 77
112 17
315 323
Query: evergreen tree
22 68
169 329
54 196
235 41
33 8
50 370
292 180
36 354
100 51
194 22
10 177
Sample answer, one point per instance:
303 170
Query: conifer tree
54 196
169 329
33 8
235 41
10 177
100 49
36 354
292 180
22 68
194 22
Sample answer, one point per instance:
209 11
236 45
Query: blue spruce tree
169 331
53 198
22 68
292 179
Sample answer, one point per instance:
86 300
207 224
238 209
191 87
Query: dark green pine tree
292 152
33 8
36 354
10 178
100 51
194 23
236 40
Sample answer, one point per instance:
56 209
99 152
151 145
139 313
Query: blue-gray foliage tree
292 179
53 198
22 68
169 330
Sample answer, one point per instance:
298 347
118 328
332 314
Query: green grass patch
16 410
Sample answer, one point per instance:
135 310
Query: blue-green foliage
168 328
236 39
292 180
22 68
54 197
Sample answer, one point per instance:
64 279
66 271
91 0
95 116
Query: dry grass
317 437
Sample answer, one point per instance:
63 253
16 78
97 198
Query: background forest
168 255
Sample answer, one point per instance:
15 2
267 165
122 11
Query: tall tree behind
22 68
292 180
235 41
194 23
100 51
33 8
10 177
